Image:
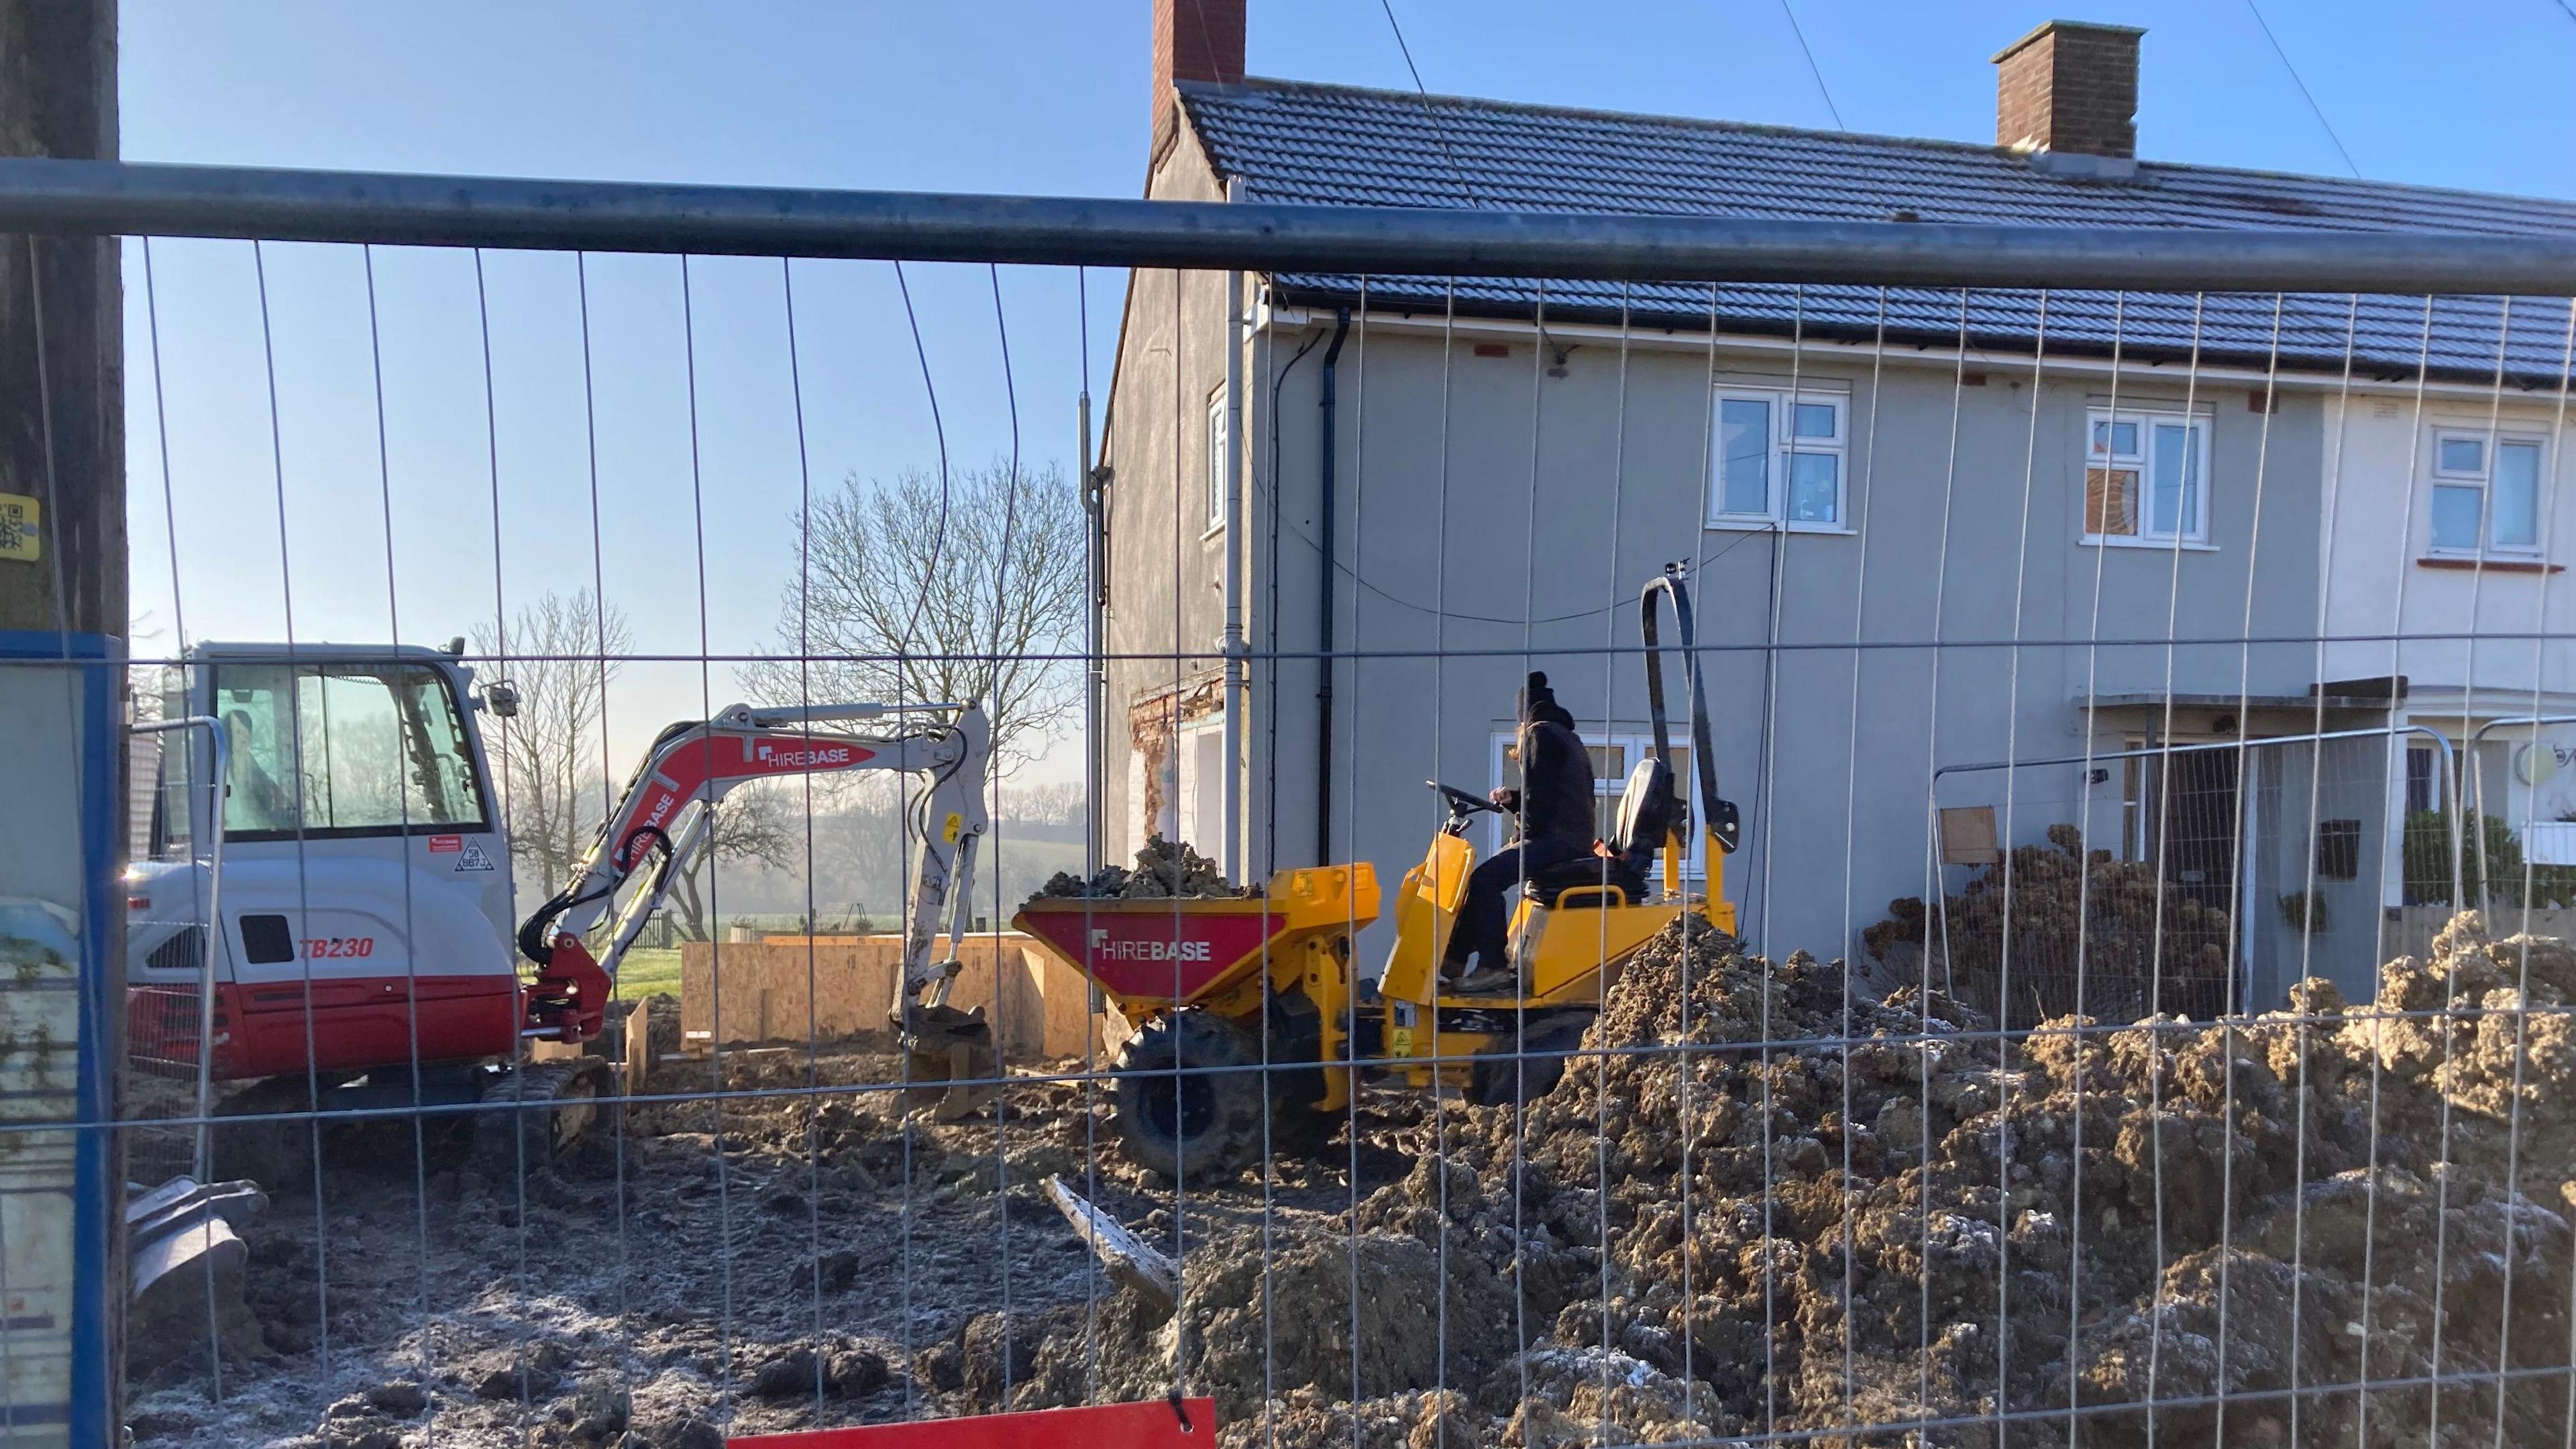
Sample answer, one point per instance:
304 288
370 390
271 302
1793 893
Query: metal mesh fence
1938 928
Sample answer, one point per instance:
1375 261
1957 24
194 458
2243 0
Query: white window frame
2482 478
1217 426
1608 787
1783 447
2141 463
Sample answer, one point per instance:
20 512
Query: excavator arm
667 815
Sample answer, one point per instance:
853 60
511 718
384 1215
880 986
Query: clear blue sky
1007 96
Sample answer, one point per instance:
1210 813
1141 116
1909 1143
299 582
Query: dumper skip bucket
1173 951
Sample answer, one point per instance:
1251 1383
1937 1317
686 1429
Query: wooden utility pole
62 428
62 755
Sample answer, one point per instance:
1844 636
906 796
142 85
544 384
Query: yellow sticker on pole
955 826
19 520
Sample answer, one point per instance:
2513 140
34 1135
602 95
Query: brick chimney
1194 40
2070 88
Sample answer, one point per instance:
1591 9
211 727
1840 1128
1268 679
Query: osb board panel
1038 1006
1065 996
764 990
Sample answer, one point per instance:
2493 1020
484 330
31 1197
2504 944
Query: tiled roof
1341 145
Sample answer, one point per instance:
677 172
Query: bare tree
913 591
1050 802
756 823
560 653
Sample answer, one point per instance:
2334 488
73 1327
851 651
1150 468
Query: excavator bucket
955 1071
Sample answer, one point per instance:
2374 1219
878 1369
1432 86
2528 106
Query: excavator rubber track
542 1111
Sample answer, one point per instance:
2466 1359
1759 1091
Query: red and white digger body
366 897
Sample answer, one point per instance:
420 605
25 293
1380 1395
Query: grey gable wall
1165 609
1457 540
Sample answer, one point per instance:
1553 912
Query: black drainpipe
1324 610
1271 698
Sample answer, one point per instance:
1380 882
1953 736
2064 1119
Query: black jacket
1556 794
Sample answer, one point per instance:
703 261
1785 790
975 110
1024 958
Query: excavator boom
667 815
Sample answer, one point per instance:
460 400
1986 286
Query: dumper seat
1647 808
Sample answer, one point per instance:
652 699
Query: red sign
1189 1424
446 844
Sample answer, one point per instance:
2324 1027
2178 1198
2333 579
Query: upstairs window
2146 478
1777 463
2486 492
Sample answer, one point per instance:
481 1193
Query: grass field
647 970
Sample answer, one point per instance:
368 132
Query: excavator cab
1576 924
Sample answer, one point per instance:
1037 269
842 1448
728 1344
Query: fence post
62 622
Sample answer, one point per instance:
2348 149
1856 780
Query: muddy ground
1889 1215
663 1283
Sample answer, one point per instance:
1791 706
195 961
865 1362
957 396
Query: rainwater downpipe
1324 544
1231 646
1270 680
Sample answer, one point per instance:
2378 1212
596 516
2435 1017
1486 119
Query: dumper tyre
1190 1096
1538 1054
1299 1128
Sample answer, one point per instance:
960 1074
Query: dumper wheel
540 1111
1298 1128
1528 1068
1190 1096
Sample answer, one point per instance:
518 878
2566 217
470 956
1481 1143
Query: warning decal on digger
949 832
472 857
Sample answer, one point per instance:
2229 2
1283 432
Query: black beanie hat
1538 702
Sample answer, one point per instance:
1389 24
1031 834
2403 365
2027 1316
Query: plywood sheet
843 986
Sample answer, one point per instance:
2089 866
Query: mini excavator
351 858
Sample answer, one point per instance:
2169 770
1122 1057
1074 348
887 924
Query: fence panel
1945 994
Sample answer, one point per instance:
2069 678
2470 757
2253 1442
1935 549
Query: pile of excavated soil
1163 869
1761 1205
1708 1238
2040 913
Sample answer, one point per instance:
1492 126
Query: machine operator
1554 811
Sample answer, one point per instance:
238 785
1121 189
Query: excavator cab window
344 750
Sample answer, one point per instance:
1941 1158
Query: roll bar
1725 825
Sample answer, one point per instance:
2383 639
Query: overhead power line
1429 113
2309 96
1812 68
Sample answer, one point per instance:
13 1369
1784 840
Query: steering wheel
1461 802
